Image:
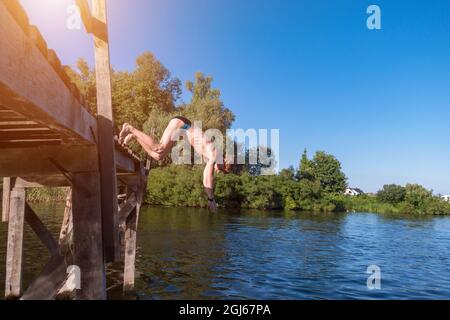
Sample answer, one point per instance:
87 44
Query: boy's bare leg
154 149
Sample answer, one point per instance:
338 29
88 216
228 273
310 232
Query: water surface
192 254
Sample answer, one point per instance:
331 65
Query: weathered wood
106 146
28 144
87 236
125 209
13 282
131 232
46 99
40 230
6 199
19 14
130 250
85 14
50 280
67 225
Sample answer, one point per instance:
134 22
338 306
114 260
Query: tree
150 87
417 197
391 193
206 105
306 168
327 170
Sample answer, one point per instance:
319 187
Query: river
192 254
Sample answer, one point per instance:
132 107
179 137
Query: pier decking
48 138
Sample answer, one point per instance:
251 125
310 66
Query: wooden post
67 225
130 250
6 198
87 236
13 283
131 233
106 138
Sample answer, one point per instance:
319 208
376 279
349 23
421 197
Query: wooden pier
49 139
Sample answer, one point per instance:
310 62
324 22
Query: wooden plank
44 98
40 230
124 162
74 159
87 236
28 144
5 136
13 282
6 199
50 280
106 146
16 127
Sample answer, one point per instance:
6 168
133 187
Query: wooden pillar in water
131 233
106 150
13 283
87 236
6 198
130 250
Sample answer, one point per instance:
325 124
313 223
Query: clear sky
379 100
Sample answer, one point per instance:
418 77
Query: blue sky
378 100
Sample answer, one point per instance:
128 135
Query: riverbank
180 186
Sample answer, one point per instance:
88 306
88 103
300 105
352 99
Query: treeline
317 185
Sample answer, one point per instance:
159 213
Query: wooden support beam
50 280
131 232
13 282
6 199
125 209
87 236
130 250
53 277
106 148
67 225
40 230
13 163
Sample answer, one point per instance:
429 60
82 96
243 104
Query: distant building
353 192
446 198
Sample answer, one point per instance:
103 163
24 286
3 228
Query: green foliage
392 193
206 105
47 195
150 87
327 170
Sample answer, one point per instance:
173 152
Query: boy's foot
126 130
128 138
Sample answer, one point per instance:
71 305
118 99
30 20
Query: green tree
149 87
306 168
417 198
327 170
392 193
206 105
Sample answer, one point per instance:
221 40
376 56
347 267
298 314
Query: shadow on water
238 254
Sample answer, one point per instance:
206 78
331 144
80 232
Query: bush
392 193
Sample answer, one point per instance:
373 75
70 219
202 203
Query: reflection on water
191 254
